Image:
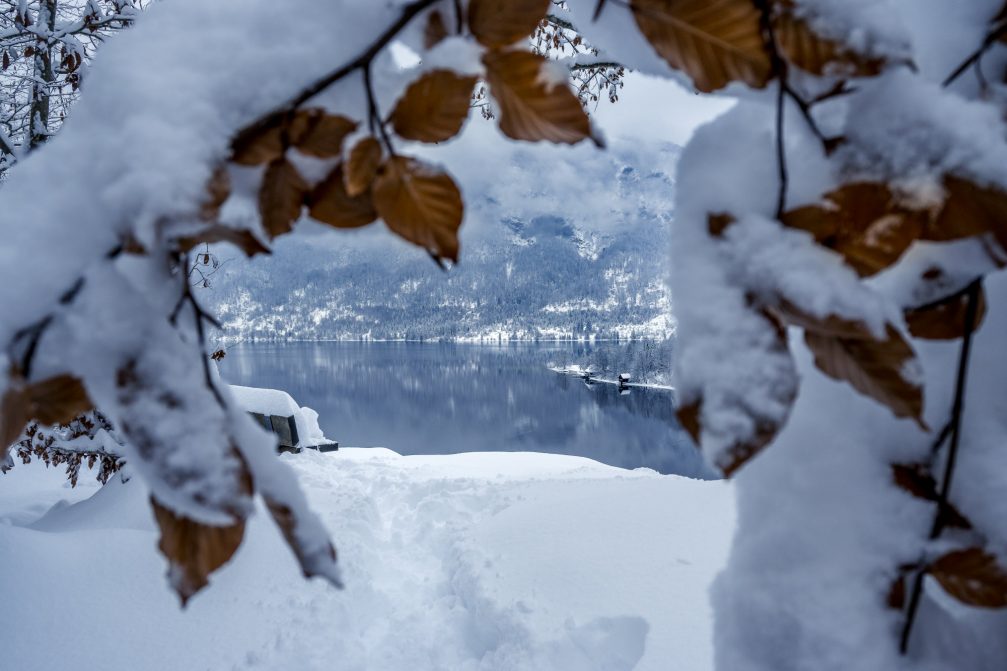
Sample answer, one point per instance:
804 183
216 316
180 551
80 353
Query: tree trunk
42 86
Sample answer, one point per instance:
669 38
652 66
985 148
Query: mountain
558 243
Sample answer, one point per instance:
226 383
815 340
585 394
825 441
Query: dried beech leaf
307 555
863 222
715 42
262 145
733 457
421 204
896 597
362 165
688 416
531 107
434 30
881 369
15 413
972 576
218 190
434 106
716 224
317 133
58 399
970 210
330 204
193 550
281 197
819 55
917 481
945 321
831 325
499 23
241 238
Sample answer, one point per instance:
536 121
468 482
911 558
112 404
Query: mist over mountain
557 244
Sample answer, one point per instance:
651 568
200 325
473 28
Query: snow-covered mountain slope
472 561
567 243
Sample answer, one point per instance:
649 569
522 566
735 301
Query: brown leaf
281 197
330 204
362 165
863 222
944 321
499 23
716 224
802 46
421 204
732 458
434 30
15 413
715 42
317 133
259 145
972 576
194 550
434 106
896 597
688 416
242 238
880 369
831 325
970 210
57 400
917 481
218 190
532 108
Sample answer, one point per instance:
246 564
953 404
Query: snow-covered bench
295 427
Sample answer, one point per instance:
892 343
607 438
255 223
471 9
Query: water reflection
444 398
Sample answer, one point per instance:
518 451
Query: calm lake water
418 398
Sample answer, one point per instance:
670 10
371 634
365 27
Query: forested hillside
544 258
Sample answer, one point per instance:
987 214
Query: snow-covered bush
836 245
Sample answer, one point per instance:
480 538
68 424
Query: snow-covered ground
470 561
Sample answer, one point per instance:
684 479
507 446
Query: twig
597 10
361 61
373 114
974 57
954 428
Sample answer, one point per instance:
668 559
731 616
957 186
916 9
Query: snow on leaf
863 222
802 46
434 107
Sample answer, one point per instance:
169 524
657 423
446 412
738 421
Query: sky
657 109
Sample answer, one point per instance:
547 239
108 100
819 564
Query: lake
441 398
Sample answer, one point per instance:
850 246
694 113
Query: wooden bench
285 429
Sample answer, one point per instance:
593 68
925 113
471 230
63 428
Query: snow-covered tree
837 250
45 46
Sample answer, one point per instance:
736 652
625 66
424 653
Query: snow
470 561
276 402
